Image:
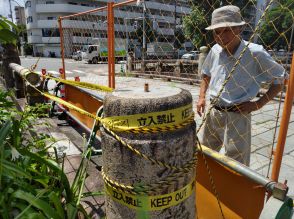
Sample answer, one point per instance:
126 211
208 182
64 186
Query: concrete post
24 78
143 66
202 56
23 72
178 68
174 147
159 67
130 59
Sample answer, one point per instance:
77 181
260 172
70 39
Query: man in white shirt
229 122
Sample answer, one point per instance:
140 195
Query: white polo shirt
256 66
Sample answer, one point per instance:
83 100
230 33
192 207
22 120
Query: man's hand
200 106
247 107
203 88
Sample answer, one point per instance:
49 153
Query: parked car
78 55
193 55
181 52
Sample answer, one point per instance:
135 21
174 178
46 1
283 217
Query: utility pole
144 37
175 27
11 11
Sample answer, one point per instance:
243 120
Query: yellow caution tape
171 117
70 106
150 203
82 84
140 123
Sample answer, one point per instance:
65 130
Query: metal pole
239 168
62 47
284 125
127 37
11 11
175 27
111 38
144 36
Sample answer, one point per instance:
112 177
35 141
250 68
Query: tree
200 16
194 25
276 29
6 33
8 38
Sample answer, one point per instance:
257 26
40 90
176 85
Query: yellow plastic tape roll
151 203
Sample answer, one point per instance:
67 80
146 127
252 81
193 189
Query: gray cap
226 16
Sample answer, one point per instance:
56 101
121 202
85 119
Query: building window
50 32
28 4
87 34
51 18
49 2
29 19
72 3
78 34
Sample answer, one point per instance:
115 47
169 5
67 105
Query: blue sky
4 6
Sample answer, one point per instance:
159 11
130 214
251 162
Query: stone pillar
202 56
10 56
159 67
171 147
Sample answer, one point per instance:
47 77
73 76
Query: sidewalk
263 123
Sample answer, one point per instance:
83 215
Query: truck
98 50
160 50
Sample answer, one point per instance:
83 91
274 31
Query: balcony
165 31
31 25
50 40
61 8
47 24
34 39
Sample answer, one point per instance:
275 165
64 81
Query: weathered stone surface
174 148
10 56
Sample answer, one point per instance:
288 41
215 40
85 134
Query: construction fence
164 38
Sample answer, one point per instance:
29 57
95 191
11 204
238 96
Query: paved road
263 121
53 65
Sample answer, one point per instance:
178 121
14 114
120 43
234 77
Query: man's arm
203 88
249 106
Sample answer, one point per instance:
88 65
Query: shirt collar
237 52
240 49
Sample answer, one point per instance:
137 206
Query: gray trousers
231 129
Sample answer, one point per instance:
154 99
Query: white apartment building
42 21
